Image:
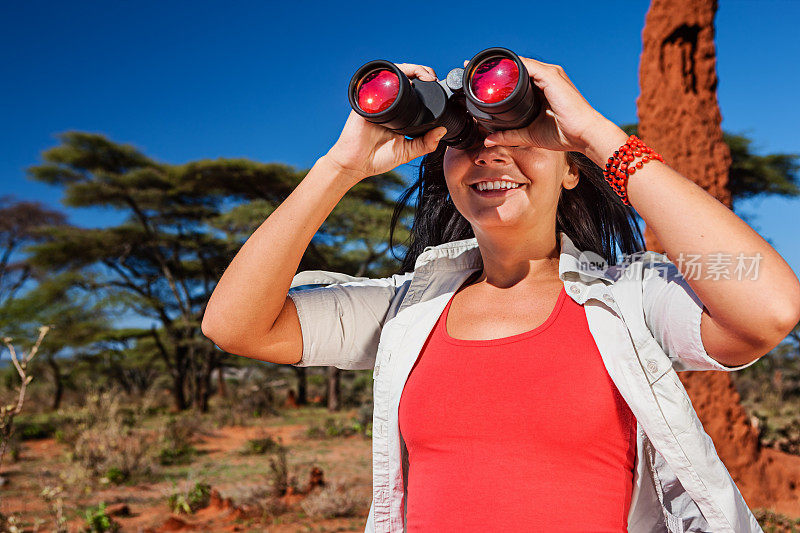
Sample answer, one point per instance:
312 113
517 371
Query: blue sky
267 81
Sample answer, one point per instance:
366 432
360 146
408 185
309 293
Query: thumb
516 137
427 143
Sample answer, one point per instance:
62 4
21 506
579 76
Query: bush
97 521
281 481
333 427
260 498
188 502
177 439
104 443
35 429
336 499
261 445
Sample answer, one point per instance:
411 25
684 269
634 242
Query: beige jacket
645 320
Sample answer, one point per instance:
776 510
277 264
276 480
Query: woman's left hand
565 119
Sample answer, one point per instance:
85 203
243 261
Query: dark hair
591 213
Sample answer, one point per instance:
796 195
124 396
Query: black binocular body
494 90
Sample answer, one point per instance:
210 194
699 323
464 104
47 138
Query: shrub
105 443
336 499
281 481
197 497
333 427
177 439
97 521
261 445
260 500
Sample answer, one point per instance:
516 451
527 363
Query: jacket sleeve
672 312
341 316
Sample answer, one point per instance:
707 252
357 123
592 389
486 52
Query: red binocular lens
377 90
494 79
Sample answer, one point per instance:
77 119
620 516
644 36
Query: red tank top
521 433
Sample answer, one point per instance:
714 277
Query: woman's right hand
366 149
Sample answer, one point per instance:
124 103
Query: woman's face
540 174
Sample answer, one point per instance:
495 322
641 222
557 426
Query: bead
639 164
645 159
632 170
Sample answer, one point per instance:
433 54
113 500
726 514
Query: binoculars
494 90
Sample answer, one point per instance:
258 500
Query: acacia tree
20 222
77 320
184 224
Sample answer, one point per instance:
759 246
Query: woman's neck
507 263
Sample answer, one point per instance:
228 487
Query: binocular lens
494 79
377 90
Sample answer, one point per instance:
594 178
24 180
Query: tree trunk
333 388
178 392
302 385
58 383
222 390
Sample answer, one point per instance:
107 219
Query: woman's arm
250 312
253 290
743 318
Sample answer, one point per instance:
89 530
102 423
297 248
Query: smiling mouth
489 193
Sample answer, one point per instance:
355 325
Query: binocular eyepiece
494 90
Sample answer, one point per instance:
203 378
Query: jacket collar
465 254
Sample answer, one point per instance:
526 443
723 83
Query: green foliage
196 498
770 393
97 521
184 224
35 429
334 427
177 440
115 475
772 522
177 456
280 479
261 446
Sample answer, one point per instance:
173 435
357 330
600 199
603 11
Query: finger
425 144
544 74
416 71
518 137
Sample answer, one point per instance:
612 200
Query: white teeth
491 185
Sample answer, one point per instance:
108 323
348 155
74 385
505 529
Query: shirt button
377 369
652 365
574 289
608 298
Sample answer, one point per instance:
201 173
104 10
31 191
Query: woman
517 388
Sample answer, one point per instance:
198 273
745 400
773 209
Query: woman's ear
572 176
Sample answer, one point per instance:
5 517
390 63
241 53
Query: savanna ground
110 461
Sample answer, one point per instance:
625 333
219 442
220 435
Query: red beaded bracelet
620 165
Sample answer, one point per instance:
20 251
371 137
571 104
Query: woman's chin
499 218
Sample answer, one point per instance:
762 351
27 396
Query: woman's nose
491 156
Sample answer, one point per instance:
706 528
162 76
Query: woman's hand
366 149
566 117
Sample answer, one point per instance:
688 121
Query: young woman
513 391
